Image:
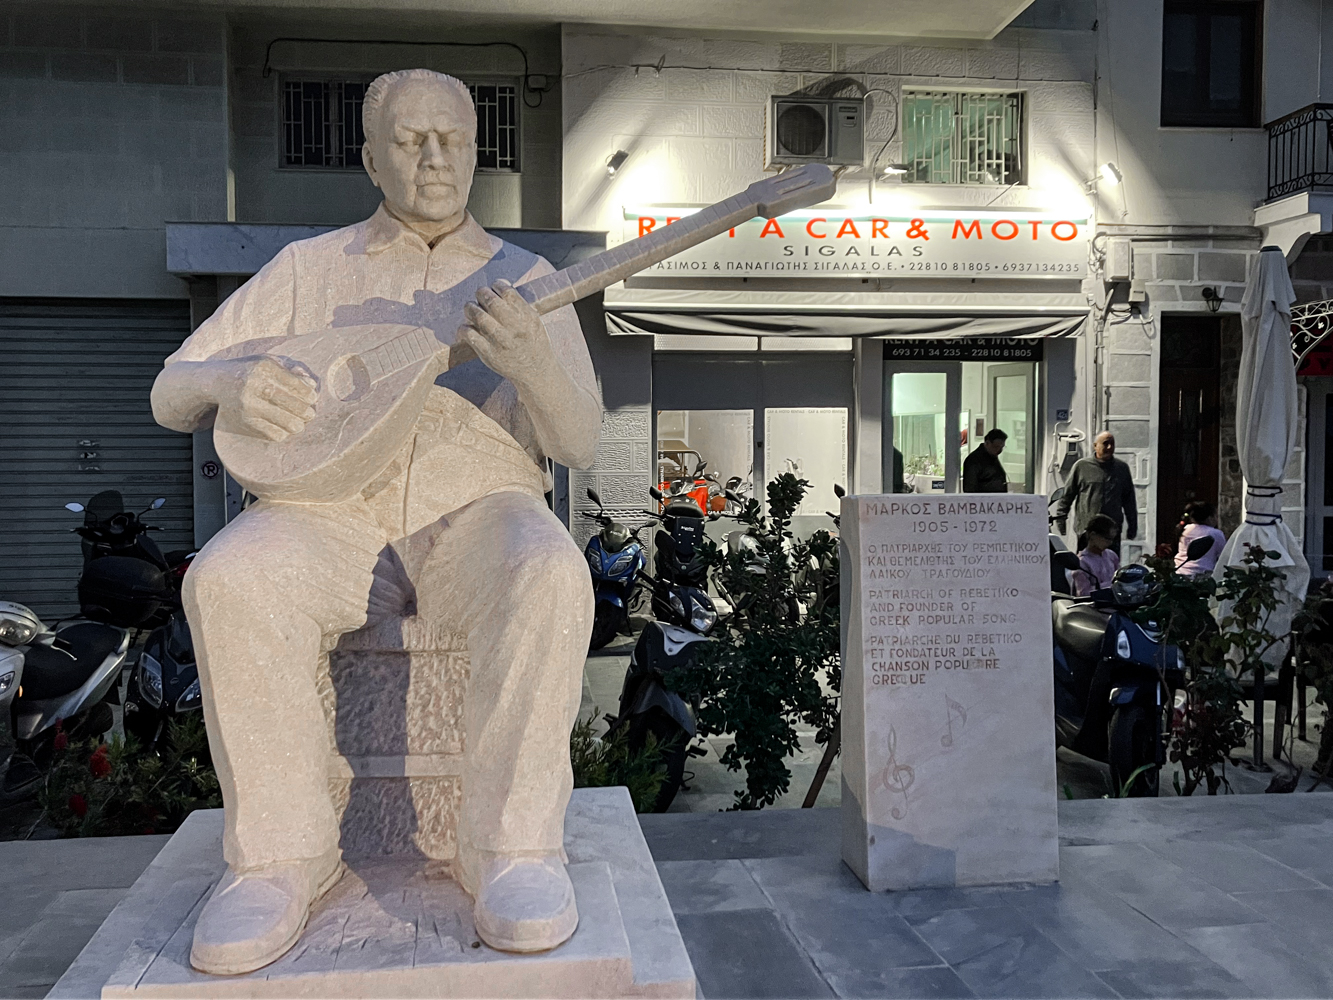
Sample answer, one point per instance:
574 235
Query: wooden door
1187 440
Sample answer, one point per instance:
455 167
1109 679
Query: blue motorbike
616 558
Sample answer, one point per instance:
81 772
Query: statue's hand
260 397
507 333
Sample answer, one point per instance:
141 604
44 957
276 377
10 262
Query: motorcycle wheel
1132 739
606 620
675 745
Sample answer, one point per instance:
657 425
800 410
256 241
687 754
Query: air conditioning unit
804 129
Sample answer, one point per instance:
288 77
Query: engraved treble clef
896 778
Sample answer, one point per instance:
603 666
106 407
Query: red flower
98 763
61 741
78 805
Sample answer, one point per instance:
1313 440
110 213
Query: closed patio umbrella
1267 421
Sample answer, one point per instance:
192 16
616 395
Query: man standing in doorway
982 471
1100 485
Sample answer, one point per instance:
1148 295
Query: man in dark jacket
1100 485
982 471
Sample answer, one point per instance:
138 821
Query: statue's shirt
380 271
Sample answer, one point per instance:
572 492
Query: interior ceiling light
1111 174
615 161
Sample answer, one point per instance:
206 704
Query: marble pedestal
948 745
400 927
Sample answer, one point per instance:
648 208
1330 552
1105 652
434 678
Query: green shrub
604 762
763 674
99 789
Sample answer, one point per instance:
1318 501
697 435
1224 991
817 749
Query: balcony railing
1300 151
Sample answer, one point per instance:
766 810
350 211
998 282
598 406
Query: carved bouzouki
372 380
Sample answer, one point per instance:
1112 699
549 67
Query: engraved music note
952 709
896 778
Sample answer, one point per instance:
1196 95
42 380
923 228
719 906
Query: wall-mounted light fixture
1213 299
615 161
1111 175
893 169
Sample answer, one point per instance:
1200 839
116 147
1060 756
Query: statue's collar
384 231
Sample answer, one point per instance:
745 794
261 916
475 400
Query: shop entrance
752 419
1189 432
938 412
1319 468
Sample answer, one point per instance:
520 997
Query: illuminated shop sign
829 243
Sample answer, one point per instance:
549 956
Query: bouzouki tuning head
800 188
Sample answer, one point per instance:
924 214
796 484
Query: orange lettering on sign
672 218
967 231
848 226
995 229
646 225
818 236
879 227
1073 231
1035 224
771 226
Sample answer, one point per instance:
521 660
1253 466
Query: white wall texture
114 122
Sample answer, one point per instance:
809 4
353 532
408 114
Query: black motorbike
1115 680
684 616
128 581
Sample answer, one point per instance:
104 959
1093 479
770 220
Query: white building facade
161 155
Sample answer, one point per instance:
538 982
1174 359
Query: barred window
958 137
321 124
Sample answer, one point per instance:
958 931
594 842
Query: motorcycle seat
50 673
1079 628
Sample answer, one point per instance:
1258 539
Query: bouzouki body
372 380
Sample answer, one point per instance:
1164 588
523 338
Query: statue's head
421 143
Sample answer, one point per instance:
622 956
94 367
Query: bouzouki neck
794 189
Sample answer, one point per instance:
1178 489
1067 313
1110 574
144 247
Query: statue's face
423 152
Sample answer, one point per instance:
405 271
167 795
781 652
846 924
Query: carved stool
393 699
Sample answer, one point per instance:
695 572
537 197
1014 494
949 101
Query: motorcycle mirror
592 495
838 491
1059 492
156 504
655 493
77 508
733 482
1198 548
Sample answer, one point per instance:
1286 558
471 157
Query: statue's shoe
253 918
525 904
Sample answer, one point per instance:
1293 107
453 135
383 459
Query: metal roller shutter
75 419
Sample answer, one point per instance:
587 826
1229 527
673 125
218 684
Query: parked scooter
685 616
1115 680
48 677
128 581
616 558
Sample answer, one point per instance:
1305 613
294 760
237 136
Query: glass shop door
938 412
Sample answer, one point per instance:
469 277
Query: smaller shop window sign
964 349
832 243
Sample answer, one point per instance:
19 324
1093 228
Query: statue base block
401 927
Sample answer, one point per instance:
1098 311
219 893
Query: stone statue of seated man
455 531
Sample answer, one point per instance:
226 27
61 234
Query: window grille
957 137
321 124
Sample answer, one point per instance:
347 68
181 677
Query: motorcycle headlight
702 619
150 679
1122 649
594 560
14 630
6 681
622 562
677 605
190 697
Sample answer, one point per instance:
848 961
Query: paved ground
1206 897
713 786
54 894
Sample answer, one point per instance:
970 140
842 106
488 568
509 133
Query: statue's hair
379 89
